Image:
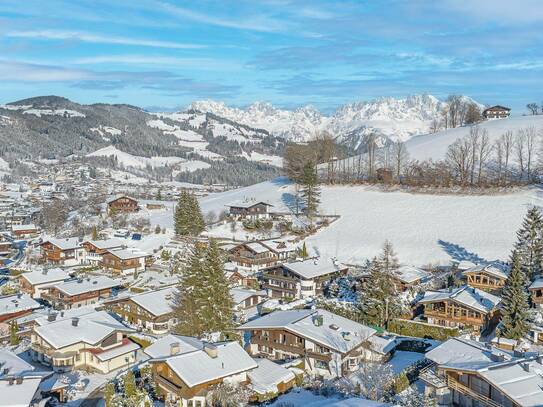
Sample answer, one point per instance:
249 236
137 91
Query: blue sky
164 54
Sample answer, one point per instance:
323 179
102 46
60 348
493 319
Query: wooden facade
536 295
496 112
123 204
135 314
61 300
56 255
453 314
117 265
257 211
244 256
485 281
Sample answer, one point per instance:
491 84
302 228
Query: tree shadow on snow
289 200
459 253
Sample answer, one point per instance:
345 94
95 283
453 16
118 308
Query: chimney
525 366
540 359
11 380
346 336
211 350
44 271
61 314
175 348
75 321
19 380
317 320
52 316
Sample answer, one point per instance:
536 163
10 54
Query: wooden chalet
490 278
65 252
536 292
300 279
37 281
16 306
496 112
330 345
150 310
95 249
463 372
24 231
79 292
461 307
253 256
251 210
123 204
126 261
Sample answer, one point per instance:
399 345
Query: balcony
466 320
429 375
466 391
167 384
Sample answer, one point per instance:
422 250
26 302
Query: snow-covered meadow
423 228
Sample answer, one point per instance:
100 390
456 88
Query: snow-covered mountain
397 119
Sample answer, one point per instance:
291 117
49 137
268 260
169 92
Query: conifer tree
203 304
198 222
310 190
303 252
109 395
378 300
188 217
130 389
94 233
14 333
529 246
515 306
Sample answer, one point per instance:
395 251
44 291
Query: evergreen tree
529 246
94 233
109 395
515 307
378 298
310 190
130 389
303 252
188 217
203 304
14 333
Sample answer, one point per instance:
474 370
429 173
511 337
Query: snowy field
423 228
435 146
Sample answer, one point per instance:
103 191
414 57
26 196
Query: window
319 364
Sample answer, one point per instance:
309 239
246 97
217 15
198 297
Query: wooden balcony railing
458 319
465 390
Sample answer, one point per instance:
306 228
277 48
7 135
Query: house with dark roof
496 112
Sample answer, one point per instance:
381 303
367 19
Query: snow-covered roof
120 197
256 247
199 367
105 244
241 294
13 363
382 344
158 302
538 283
84 285
248 204
128 253
10 304
464 265
21 228
465 354
410 274
312 268
279 245
161 348
117 351
335 332
19 395
90 328
45 276
43 317
490 269
268 375
65 244
470 297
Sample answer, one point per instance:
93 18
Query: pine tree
109 394
198 222
188 217
529 246
378 298
14 333
204 304
515 306
310 190
94 233
130 389
303 252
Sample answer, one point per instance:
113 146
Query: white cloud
99 39
201 63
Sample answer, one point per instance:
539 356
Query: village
102 304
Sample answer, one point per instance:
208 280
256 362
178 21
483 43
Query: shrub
422 330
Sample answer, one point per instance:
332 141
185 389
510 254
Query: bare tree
507 142
371 143
459 157
485 148
401 156
473 139
520 151
533 108
530 136
499 148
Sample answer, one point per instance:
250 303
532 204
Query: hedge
422 330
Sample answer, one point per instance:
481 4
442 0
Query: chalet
536 292
125 261
469 373
123 204
65 252
487 277
34 282
409 276
237 276
5 246
282 249
20 383
151 310
246 302
185 368
93 341
496 112
250 210
24 231
95 249
300 279
16 305
253 256
461 307
330 345
79 292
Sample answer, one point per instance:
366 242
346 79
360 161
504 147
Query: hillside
434 146
423 228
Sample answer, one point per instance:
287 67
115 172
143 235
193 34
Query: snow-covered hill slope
423 228
129 160
435 145
397 119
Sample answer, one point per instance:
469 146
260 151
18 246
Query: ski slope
434 146
424 229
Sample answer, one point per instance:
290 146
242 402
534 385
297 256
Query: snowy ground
403 359
423 228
